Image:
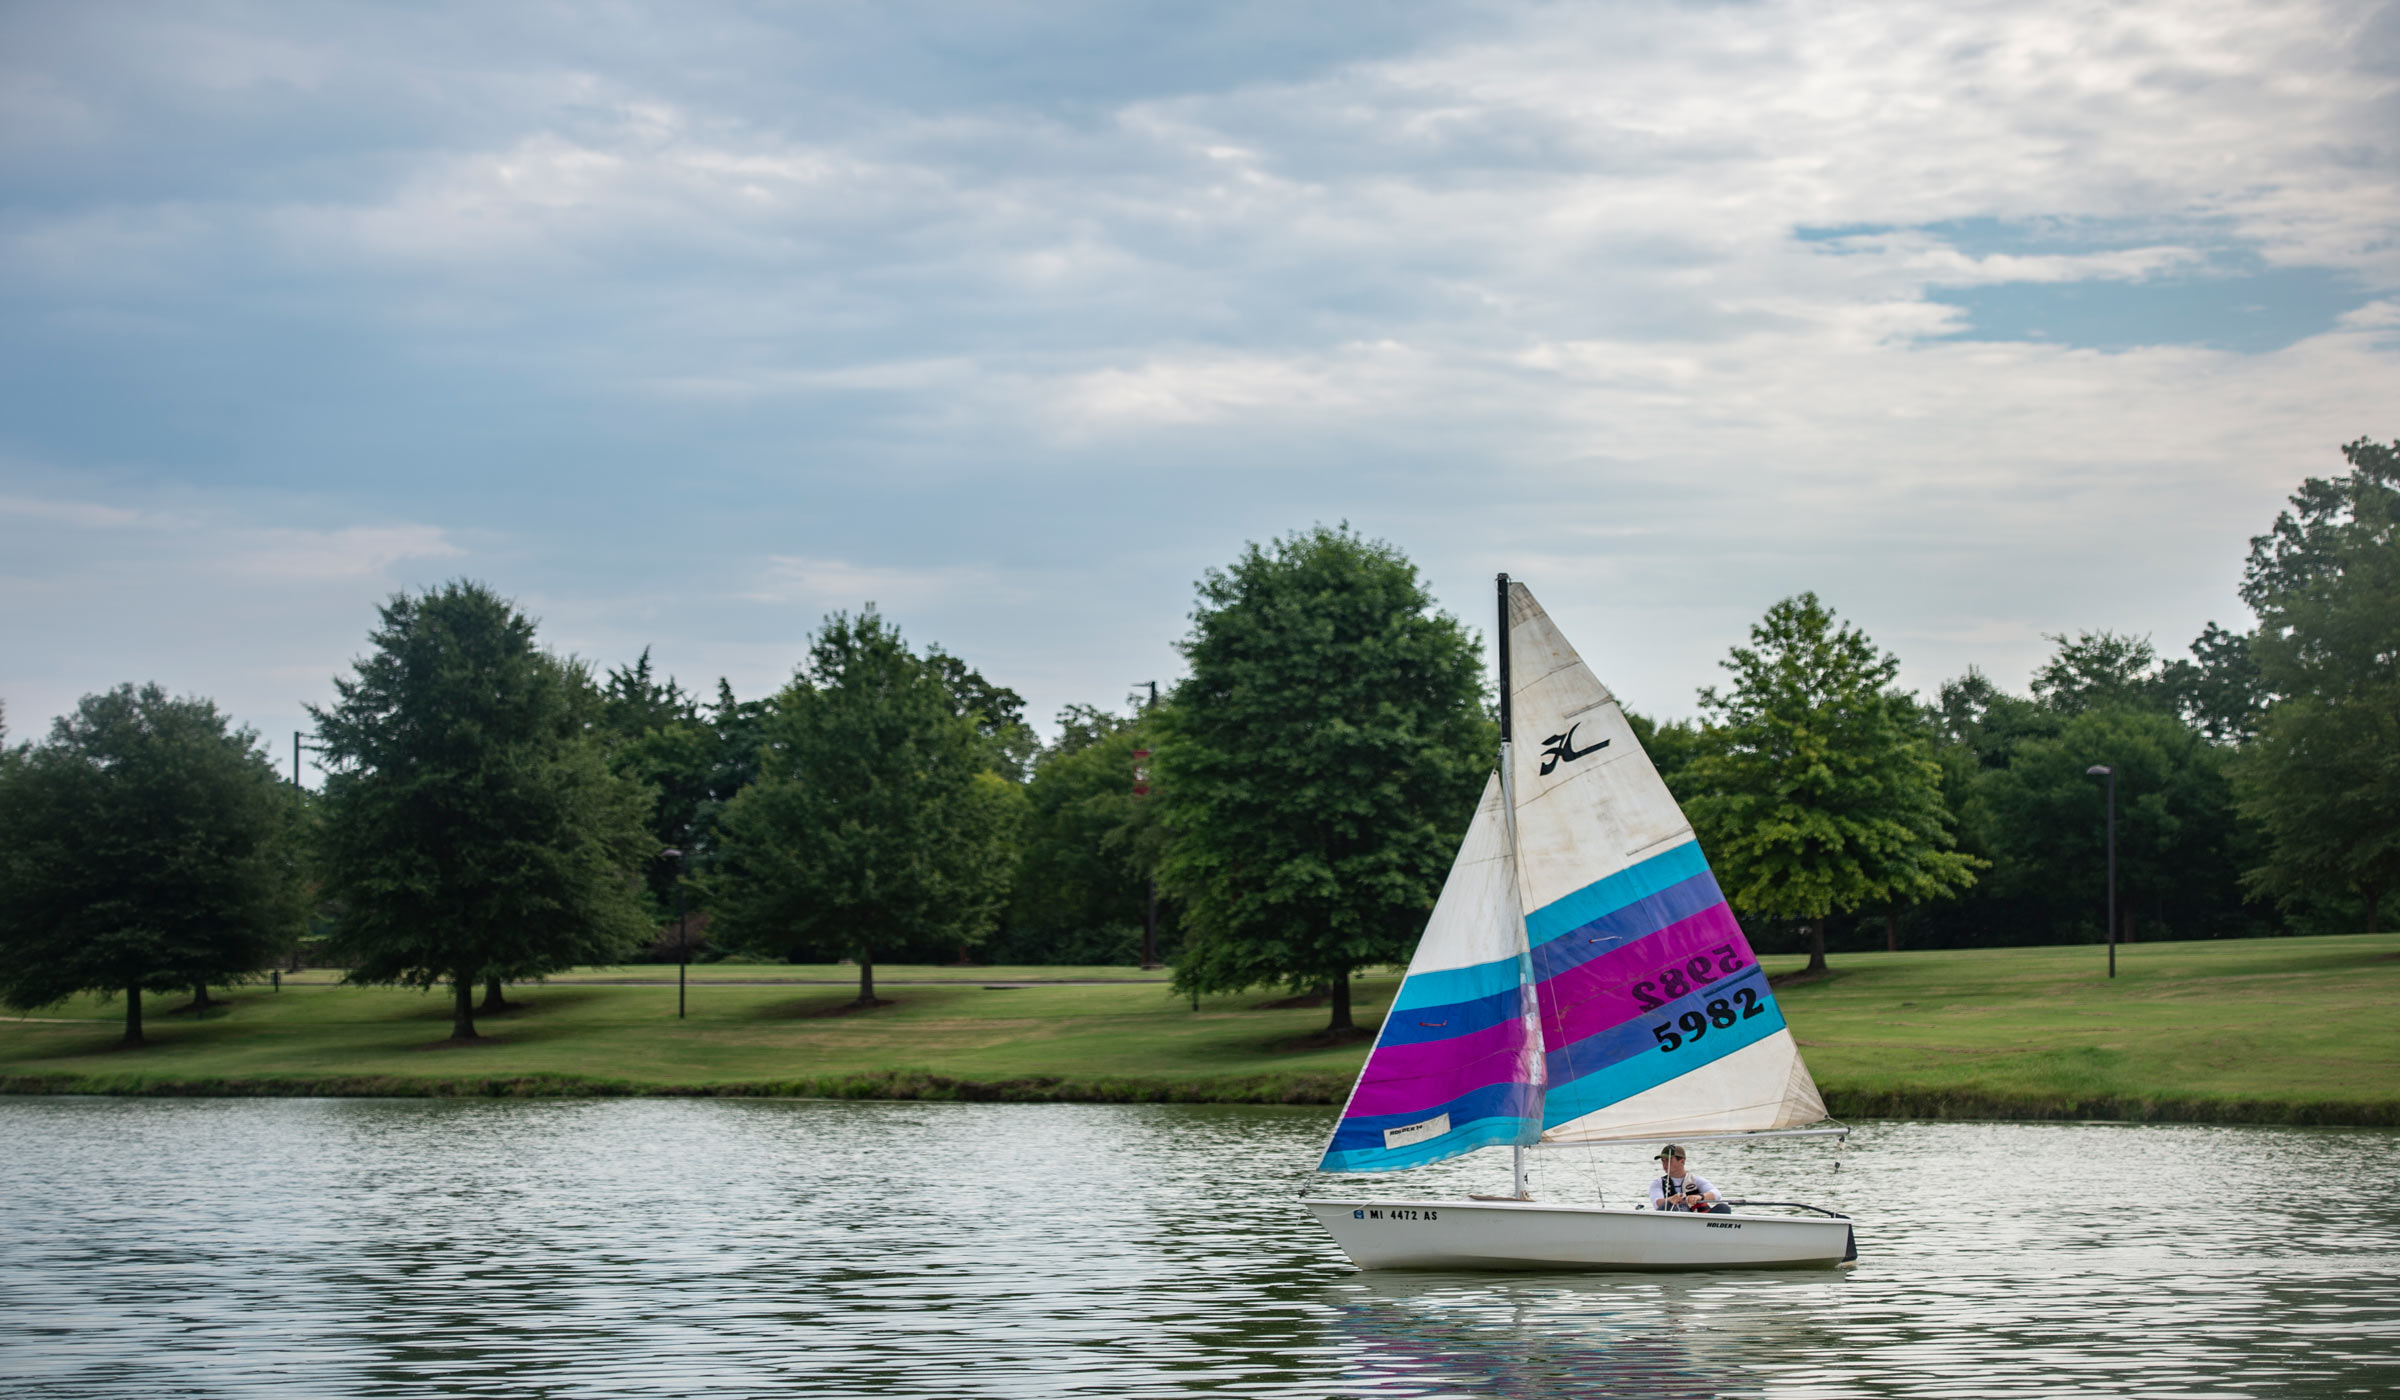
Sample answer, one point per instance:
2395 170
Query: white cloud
1527 293
829 585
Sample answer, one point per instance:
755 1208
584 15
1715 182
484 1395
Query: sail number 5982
1720 1013
1687 977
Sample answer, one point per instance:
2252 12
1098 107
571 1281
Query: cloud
698 323
838 584
193 592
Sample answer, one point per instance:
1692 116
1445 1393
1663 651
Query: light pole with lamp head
2102 770
297 746
683 939
1141 788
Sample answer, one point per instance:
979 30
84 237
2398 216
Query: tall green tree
657 736
1090 848
1317 766
1819 791
2323 775
470 825
878 826
147 845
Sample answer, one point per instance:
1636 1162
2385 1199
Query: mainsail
1623 1001
1656 1017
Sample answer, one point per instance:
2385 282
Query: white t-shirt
1686 1183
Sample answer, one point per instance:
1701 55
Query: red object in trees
1141 772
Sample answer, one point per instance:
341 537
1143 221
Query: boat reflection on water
1555 1335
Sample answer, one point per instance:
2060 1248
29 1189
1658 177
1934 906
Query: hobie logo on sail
1416 1132
1560 748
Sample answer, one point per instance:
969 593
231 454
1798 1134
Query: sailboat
1580 982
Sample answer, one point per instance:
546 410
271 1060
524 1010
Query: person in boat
1679 1188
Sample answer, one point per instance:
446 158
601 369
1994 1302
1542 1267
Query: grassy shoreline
2281 1031
1308 1091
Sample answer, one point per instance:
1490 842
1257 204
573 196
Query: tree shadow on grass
1324 1040
434 1003
818 1008
1304 1002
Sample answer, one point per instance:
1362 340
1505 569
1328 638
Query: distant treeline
493 811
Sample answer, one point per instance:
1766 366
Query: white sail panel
1458 1063
1643 979
1758 1088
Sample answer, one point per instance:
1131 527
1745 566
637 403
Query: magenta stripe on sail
1403 1078
1588 999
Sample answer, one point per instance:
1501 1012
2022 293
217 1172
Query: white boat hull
1460 1234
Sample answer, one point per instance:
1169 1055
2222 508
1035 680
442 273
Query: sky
686 324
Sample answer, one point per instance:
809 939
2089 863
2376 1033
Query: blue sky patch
2251 312
2233 301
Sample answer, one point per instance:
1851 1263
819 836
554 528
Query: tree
2323 775
877 826
2218 691
2099 670
998 714
1819 791
1317 767
1089 850
470 823
2178 846
146 845
656 737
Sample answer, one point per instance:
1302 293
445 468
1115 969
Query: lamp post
1141 788
2102 770
683 935
297 746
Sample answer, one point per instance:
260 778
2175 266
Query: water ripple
419 1248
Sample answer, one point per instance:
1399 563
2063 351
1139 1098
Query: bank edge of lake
1295 1089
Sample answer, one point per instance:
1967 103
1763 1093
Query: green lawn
2197 1029
2267 1030
798 1036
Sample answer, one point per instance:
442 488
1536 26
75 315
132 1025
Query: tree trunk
2127 935
462 1006
1891 930
866 977
1816 945
1340 987
200 996
2374 898
492 999
133 1015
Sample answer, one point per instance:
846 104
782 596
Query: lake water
678 1248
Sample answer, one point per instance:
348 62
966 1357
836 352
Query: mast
1522 1189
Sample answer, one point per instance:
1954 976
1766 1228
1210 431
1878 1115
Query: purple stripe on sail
1404 1078
1586 1000
1636 920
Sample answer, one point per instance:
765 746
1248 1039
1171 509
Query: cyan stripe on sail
1571 948
1492 1114
1626 1059
1416 1025
1484 1132
1605 896
1452 985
